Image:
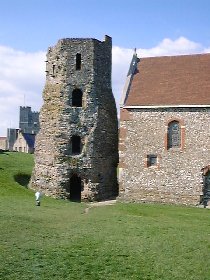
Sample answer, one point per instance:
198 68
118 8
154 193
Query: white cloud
207 50
170 47
121 59
22 75
21 82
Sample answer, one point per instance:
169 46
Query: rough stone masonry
76 153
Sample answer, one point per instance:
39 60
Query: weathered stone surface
177 178
95 122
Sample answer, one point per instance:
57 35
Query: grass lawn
124 241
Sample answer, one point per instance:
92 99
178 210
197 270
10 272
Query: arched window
76 145
77 98
78 61
174 135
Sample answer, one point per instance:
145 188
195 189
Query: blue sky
32 25
29 27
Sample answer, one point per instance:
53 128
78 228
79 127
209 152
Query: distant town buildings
22 139
3 143
11 137
24 142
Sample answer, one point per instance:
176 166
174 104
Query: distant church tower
76 154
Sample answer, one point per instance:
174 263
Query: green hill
59 240
15 171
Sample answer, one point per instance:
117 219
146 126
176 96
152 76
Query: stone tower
76 152
29 121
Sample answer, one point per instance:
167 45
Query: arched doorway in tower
75 188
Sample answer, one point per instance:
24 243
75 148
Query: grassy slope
124 241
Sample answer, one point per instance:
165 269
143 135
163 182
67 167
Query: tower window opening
76 145
78 61
77 98
53 70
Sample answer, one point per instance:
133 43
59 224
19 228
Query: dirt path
98 204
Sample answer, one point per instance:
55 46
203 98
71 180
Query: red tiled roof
171 80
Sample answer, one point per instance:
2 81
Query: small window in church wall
174 135
151 160
77 98
78 61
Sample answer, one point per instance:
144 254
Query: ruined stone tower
76 152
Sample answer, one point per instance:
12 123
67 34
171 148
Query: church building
164 143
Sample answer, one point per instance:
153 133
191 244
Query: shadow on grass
4 152
22 179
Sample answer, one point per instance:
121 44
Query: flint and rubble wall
95 122
177 177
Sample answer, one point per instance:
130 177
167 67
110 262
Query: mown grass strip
124 241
